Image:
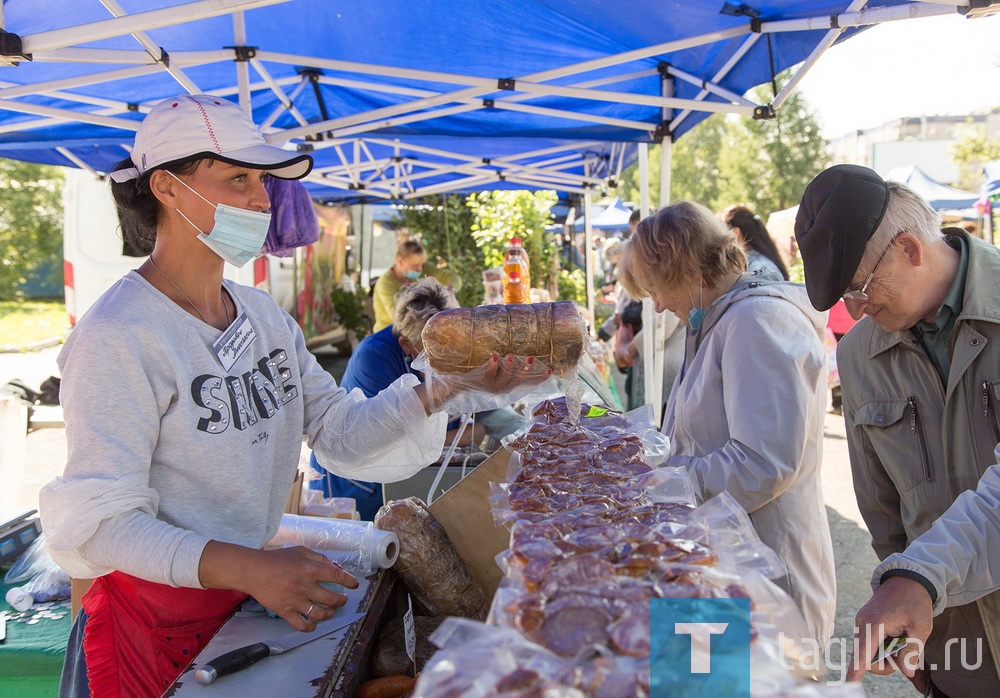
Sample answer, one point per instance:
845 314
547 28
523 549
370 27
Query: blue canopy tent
402 98
939 196
365 85
991 179
614 216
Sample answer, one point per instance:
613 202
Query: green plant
573 286
470 234
602 312
501 215
350 310
443 225
30 224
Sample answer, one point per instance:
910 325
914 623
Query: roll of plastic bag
357 546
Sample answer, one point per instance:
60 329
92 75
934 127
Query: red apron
141 635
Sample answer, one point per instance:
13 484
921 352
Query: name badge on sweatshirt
235 341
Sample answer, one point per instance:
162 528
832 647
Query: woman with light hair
753 356
415 305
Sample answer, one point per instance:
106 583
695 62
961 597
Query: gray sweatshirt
168 449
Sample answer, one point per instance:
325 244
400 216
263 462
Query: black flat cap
840 210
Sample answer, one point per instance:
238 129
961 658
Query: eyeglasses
860 296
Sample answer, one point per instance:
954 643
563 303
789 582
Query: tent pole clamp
11 49
506 84
663 131
312 75
243 53
763 112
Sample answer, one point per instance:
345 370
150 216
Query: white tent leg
648 314
588 261
653 341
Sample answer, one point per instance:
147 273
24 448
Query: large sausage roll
461 339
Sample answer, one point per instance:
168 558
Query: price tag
409 633
596 411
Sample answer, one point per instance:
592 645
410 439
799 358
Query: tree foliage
30 223
444 225
501 215
764 164
970 153
468 234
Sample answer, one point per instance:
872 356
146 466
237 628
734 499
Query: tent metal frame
362 166
360 172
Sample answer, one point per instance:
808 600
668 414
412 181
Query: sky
912 67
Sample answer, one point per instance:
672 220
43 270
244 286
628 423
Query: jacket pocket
990 396
896 433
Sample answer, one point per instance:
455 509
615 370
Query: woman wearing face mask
409 266
745 415
186 398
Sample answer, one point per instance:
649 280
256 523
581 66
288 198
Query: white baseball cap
192 126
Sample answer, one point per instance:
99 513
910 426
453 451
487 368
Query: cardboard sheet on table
290 674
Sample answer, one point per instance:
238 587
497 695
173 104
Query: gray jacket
916 445
746 417
953 554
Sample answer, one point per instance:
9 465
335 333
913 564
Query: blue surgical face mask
696 315
238 233
412 275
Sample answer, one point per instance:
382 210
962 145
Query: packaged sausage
458 340
435 574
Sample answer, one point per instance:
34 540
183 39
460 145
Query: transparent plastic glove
499 382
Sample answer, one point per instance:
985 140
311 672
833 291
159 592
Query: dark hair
138 209
755 235
635 216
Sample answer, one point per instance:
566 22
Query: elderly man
920 378
952 558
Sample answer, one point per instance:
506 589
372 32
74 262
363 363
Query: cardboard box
78 587
464 511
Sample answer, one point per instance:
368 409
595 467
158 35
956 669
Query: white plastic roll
19 599
357 546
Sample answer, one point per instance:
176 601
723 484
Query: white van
92 250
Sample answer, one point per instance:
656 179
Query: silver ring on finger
309 610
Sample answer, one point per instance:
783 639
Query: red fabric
141 635
840 320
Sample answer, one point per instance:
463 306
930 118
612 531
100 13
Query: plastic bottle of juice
514 291
517 258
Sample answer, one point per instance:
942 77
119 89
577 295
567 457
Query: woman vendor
745 415
186 397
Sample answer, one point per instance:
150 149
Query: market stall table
330 666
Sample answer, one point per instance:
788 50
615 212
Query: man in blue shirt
384 356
